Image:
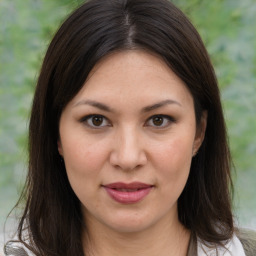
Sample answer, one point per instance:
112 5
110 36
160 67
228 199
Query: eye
160 121
95 121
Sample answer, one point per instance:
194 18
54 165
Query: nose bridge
128 152
129 141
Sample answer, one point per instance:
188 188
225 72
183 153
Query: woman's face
127 139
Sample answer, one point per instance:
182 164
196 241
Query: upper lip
132 185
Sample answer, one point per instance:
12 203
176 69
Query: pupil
158 120
97 120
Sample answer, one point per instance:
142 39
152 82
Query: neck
162 240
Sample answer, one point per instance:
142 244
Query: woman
127 141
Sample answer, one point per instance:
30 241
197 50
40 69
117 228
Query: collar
233 247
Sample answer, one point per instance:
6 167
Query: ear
200 132
60 147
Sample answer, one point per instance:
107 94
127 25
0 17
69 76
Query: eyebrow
160 104
106 108
95 104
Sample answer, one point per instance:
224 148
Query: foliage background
228 30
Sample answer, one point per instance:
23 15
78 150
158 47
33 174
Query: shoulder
248 240
230 247
16 249
242 243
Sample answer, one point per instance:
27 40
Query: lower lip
125 197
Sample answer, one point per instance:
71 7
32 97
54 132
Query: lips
128 193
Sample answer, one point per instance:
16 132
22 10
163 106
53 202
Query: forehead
133 76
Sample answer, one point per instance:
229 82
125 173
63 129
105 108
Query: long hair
52 217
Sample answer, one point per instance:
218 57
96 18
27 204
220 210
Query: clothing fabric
232 248
248 240
243 243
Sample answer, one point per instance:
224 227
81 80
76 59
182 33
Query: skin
128 145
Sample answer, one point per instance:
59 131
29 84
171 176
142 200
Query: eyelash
86 121
166 119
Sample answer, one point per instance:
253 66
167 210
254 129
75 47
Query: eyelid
85 119
170 120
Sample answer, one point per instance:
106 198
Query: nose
128 151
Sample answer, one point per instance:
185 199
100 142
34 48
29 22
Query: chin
129 227
131 224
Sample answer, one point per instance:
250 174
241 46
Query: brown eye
97 120
158 120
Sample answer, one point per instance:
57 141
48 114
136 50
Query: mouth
128 193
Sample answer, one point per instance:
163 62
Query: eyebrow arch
94 104
108 109
160 104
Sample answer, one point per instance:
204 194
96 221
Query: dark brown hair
52 215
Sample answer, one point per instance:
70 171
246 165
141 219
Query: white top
233 248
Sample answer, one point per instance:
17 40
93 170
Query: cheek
173 160
84 162
174 152
83 159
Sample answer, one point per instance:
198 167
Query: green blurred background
228 28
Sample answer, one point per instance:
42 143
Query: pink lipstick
128 193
